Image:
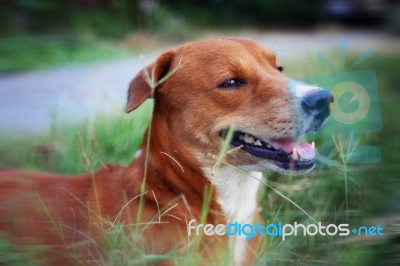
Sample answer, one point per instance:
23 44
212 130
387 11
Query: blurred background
42 33
65 67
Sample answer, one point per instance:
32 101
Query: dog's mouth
287 154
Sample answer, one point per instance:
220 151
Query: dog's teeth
295 156
248 139
313 145
258 143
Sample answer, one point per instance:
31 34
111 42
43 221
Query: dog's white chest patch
237 195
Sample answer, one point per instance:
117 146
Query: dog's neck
237 196
171 166
182 173
237 192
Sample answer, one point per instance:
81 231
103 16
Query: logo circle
359 93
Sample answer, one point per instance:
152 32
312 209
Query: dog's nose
317 103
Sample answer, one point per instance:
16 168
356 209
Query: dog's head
216 84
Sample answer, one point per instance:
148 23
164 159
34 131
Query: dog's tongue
304 149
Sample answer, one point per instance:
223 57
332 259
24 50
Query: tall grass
358 194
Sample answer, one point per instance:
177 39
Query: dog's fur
189 114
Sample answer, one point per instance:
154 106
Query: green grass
30 52
358 194
107 139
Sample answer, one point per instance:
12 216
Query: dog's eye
280 68
231 84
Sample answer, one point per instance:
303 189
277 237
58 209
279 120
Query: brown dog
200 89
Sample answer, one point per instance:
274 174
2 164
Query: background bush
116 18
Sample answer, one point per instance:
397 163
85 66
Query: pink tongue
304 149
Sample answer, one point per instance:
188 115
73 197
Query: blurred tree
253 12
113 18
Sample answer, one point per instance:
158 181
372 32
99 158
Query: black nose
317 103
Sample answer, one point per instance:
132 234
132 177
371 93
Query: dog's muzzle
309 108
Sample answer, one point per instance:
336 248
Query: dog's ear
139 88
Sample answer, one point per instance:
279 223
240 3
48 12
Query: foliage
27 52
253 12
116 18
393 20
